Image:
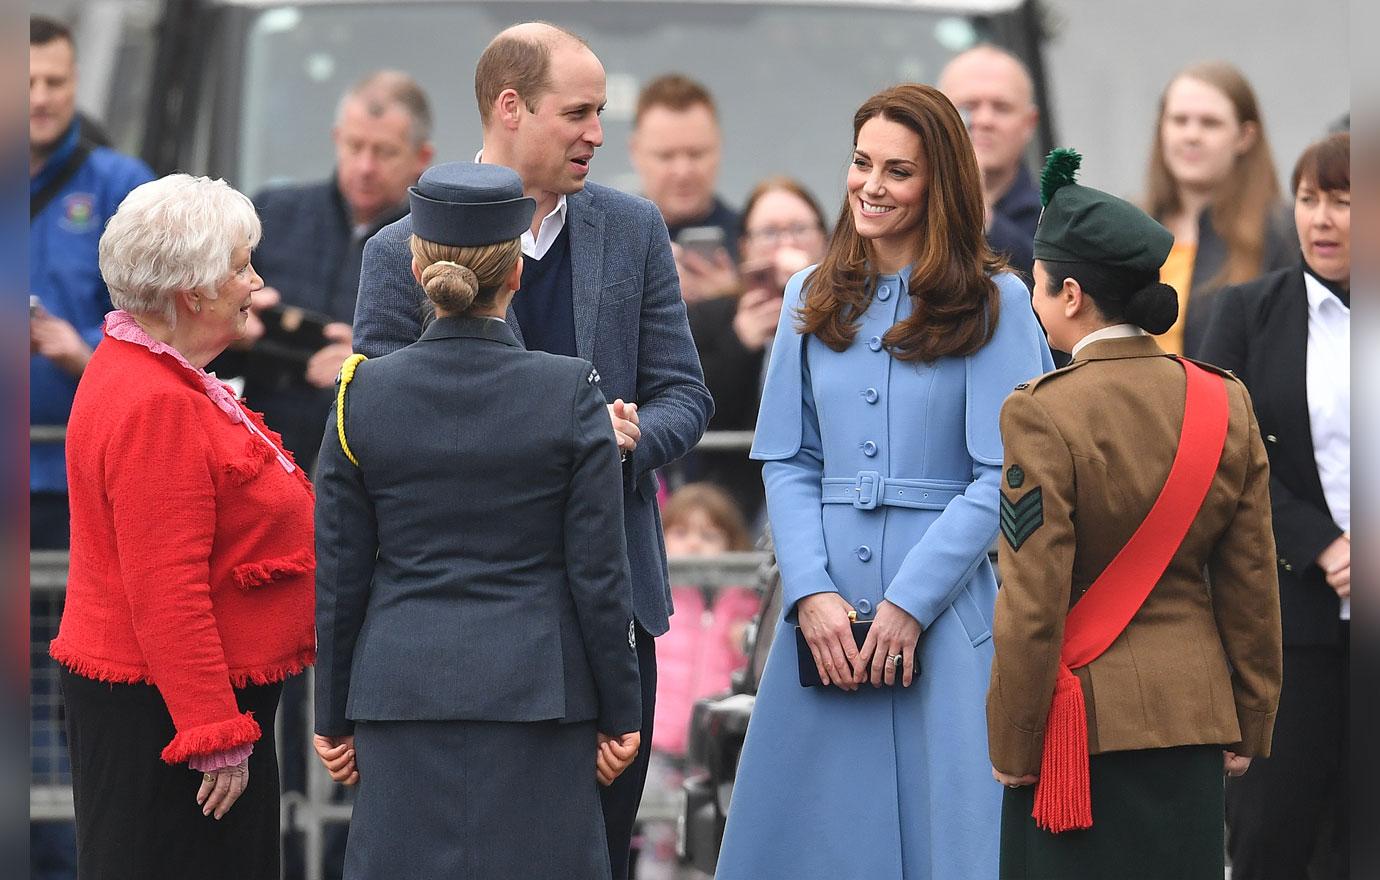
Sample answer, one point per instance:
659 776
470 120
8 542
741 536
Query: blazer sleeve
346 550
1301 529
597 561
391 305
941 562
1245 600
673 403
1036 555
163 462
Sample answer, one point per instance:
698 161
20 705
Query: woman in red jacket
189 598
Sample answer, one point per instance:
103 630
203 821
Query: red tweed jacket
192 561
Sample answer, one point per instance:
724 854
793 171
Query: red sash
1063 799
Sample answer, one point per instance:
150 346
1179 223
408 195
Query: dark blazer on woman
471 566
1281 251
1260 332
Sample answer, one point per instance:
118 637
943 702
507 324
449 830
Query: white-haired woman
189 598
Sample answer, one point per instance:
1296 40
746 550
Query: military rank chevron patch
1020 519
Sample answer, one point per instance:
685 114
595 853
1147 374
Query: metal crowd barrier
324 802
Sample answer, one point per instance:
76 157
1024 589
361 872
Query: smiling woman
190 594
878 426
1212 183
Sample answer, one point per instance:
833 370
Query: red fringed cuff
208 738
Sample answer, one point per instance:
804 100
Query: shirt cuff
220 760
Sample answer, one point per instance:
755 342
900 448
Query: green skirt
1157 814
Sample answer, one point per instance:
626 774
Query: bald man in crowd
994 92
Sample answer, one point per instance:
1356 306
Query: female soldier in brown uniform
1131 479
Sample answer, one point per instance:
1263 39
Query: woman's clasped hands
825 624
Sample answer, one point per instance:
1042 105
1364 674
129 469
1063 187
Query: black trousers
137 817
621 800
1277 812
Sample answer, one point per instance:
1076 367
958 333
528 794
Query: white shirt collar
1116 331
1319 295
536 246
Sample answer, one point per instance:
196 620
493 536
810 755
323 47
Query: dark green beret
1084 225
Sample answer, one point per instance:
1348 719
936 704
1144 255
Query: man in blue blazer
599 282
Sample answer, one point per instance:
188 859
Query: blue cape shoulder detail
1017 352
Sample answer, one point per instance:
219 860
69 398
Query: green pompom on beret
1083 225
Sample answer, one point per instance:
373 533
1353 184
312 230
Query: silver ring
897 659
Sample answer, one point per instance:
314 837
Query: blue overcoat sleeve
788 440
941 563
673 404
346 548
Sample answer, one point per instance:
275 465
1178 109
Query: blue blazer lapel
586 226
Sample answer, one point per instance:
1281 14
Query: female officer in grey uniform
475 663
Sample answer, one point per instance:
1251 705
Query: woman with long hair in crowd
189 598
1288 336
1211 183
784 231
879 431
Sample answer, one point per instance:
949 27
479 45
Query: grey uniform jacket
629 322
471 565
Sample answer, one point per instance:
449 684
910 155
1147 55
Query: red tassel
1063 796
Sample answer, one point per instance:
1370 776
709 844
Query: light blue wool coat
892 783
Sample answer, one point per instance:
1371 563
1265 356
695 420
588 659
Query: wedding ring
208 777
895 658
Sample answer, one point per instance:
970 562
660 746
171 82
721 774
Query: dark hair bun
1154 308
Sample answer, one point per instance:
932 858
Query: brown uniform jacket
1197 664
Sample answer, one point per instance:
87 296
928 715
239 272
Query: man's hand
759 311
59 342
263 298
702 279
614 755
625 425
337 753
1234 764
325 365
1335 561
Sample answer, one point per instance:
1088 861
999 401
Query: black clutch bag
805 661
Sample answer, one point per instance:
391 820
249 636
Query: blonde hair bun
450 285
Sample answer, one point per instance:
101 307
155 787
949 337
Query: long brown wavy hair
1241 205
955 300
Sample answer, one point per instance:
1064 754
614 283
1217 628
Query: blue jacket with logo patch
65 276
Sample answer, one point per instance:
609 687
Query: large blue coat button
875 343
869 449
871 395
884 293
863 606
864 553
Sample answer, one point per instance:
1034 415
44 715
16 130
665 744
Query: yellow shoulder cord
347 372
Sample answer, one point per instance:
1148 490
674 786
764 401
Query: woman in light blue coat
879 426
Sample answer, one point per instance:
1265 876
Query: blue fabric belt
869 489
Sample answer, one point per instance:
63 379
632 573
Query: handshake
613 755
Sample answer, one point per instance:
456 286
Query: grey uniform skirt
1157 814
476 800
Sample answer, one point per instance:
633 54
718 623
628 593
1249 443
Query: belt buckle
867 489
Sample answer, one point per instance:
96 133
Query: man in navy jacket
599 283
313 241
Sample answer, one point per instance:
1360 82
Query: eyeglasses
774 234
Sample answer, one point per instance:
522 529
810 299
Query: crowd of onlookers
1211 182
